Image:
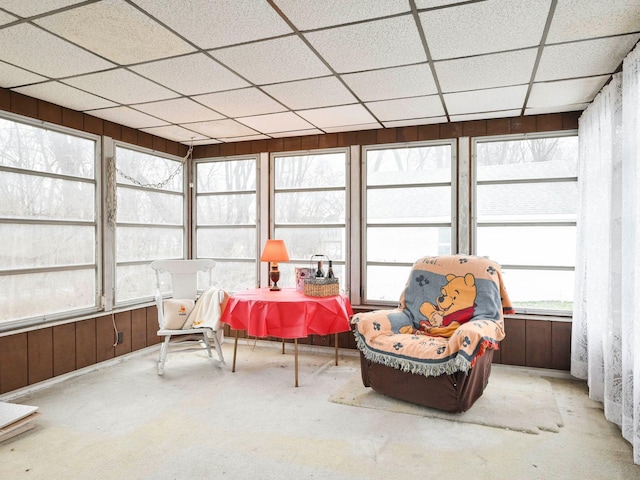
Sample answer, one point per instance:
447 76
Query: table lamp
274 252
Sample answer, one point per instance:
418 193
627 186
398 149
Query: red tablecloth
286 313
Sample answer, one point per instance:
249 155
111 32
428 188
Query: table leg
295 341
336 340
235 350
283 346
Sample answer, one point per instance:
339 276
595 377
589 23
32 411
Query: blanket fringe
456 364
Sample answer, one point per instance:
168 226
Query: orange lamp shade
274 251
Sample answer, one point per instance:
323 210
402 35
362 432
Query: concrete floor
199 421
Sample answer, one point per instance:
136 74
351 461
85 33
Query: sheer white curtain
607 302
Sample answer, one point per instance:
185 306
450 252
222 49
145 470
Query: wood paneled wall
30 357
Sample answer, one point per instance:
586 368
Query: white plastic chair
184 281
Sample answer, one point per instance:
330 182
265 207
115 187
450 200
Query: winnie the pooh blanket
450 311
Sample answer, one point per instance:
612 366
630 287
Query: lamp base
274 275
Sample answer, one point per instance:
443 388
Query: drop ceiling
211 71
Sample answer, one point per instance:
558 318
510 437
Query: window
226 220
150 219
525 208
48 223
408 213
309 210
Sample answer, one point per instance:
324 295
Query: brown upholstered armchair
436 347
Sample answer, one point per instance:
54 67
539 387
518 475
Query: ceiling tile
397 82
176 133
245 138
64 95
406 108
352 128
127 116
44 53
338 116
111 85
29 9
480 71
565 92
220 128
276 122
576 107
313 93
579 20
218 23
585 58
191 74
485 116
117 31
6 18
179 110
273 61
365 46
205 141
308 14
297 133
11 76
414 121
484 27
490 100
240 103
420 4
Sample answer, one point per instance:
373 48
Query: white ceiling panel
481 116
30 8
582 19
406 108
110 85
117 31
420 4
585 58
276 122
313 93
221 128
203 141
6 18
414 121
364 46
191 74
245 138
484 27
338 116
179 110
11 76
240 103
349 128
576 107
45 54
273 61
64 95
297 133
127 116
218 23
480 72
397 82
490 100
565 92
310 14
176 133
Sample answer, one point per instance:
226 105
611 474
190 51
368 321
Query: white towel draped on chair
207 312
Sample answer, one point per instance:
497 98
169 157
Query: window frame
563 223
364 225
185 218
194 208
97 223
273 226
